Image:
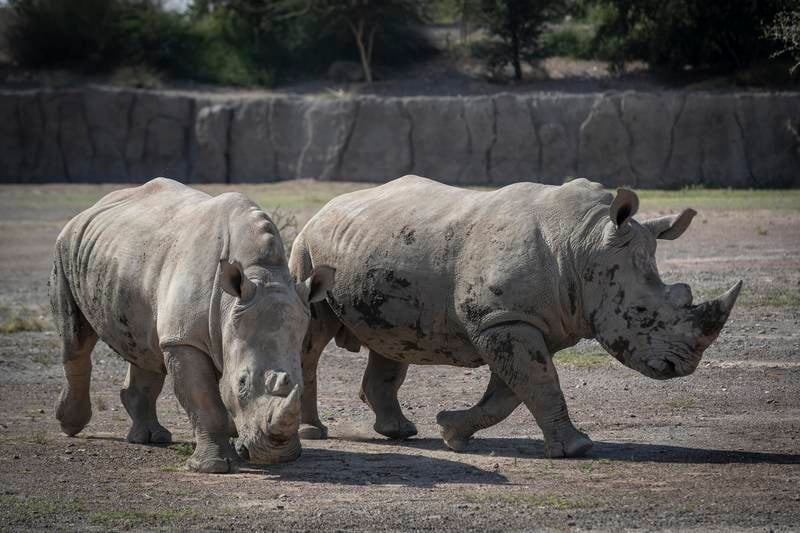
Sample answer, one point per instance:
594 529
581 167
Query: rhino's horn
710 317
286 417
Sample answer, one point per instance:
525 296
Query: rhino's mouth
267 450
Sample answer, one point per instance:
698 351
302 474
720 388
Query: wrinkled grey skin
432 274
176 281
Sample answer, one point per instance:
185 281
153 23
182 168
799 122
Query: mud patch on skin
407 235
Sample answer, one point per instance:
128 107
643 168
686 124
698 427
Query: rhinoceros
177 281
436 275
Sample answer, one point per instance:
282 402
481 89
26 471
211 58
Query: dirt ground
717 450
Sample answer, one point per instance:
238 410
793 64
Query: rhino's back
131 249
421 265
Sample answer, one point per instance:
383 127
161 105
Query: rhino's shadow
616 451
359 468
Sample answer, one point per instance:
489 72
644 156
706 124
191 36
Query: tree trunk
365 52
515 56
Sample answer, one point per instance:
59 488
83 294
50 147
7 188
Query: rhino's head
649 326
262 337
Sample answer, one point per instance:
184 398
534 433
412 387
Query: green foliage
65 32
677 33
569 40
785 28
517 26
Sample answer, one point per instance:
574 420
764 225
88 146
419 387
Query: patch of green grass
183 449
577 359
173 469
140 519
29 509
733 199
44 359
39 438
684 402
23 319
759 297
536 500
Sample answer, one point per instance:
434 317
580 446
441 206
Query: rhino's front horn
710 317
286 418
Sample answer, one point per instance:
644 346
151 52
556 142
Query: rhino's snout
274 439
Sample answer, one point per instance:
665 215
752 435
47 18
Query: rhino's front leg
518 354
498 402
197 390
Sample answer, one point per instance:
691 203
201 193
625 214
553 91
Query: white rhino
177 281
432 274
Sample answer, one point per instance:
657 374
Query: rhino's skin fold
177 281
433 274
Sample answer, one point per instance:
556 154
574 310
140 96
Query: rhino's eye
243 388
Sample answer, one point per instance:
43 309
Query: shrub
785 28
65 33
679 33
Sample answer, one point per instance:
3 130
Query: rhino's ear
319 283
624 206
234 282
671 226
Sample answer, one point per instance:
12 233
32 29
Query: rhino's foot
217 465
73 413
396 429
149 433
574 446
313 432
452 431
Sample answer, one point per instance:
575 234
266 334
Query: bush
785 28
105 35
679 33
51 33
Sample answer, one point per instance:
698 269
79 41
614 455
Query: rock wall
667 139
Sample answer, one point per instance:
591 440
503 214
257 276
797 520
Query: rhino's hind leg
139 396
197 390
323 327
73 407
382 379
498 402
518 354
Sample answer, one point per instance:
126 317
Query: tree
363 19
785 28
677 33
518 24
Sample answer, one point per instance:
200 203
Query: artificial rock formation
666 139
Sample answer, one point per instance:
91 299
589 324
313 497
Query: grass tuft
589 359
183 449
536 500
26 510
140 519
17 318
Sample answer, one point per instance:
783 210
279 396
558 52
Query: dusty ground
717 450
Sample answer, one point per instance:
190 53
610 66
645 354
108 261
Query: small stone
16 456
41 411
